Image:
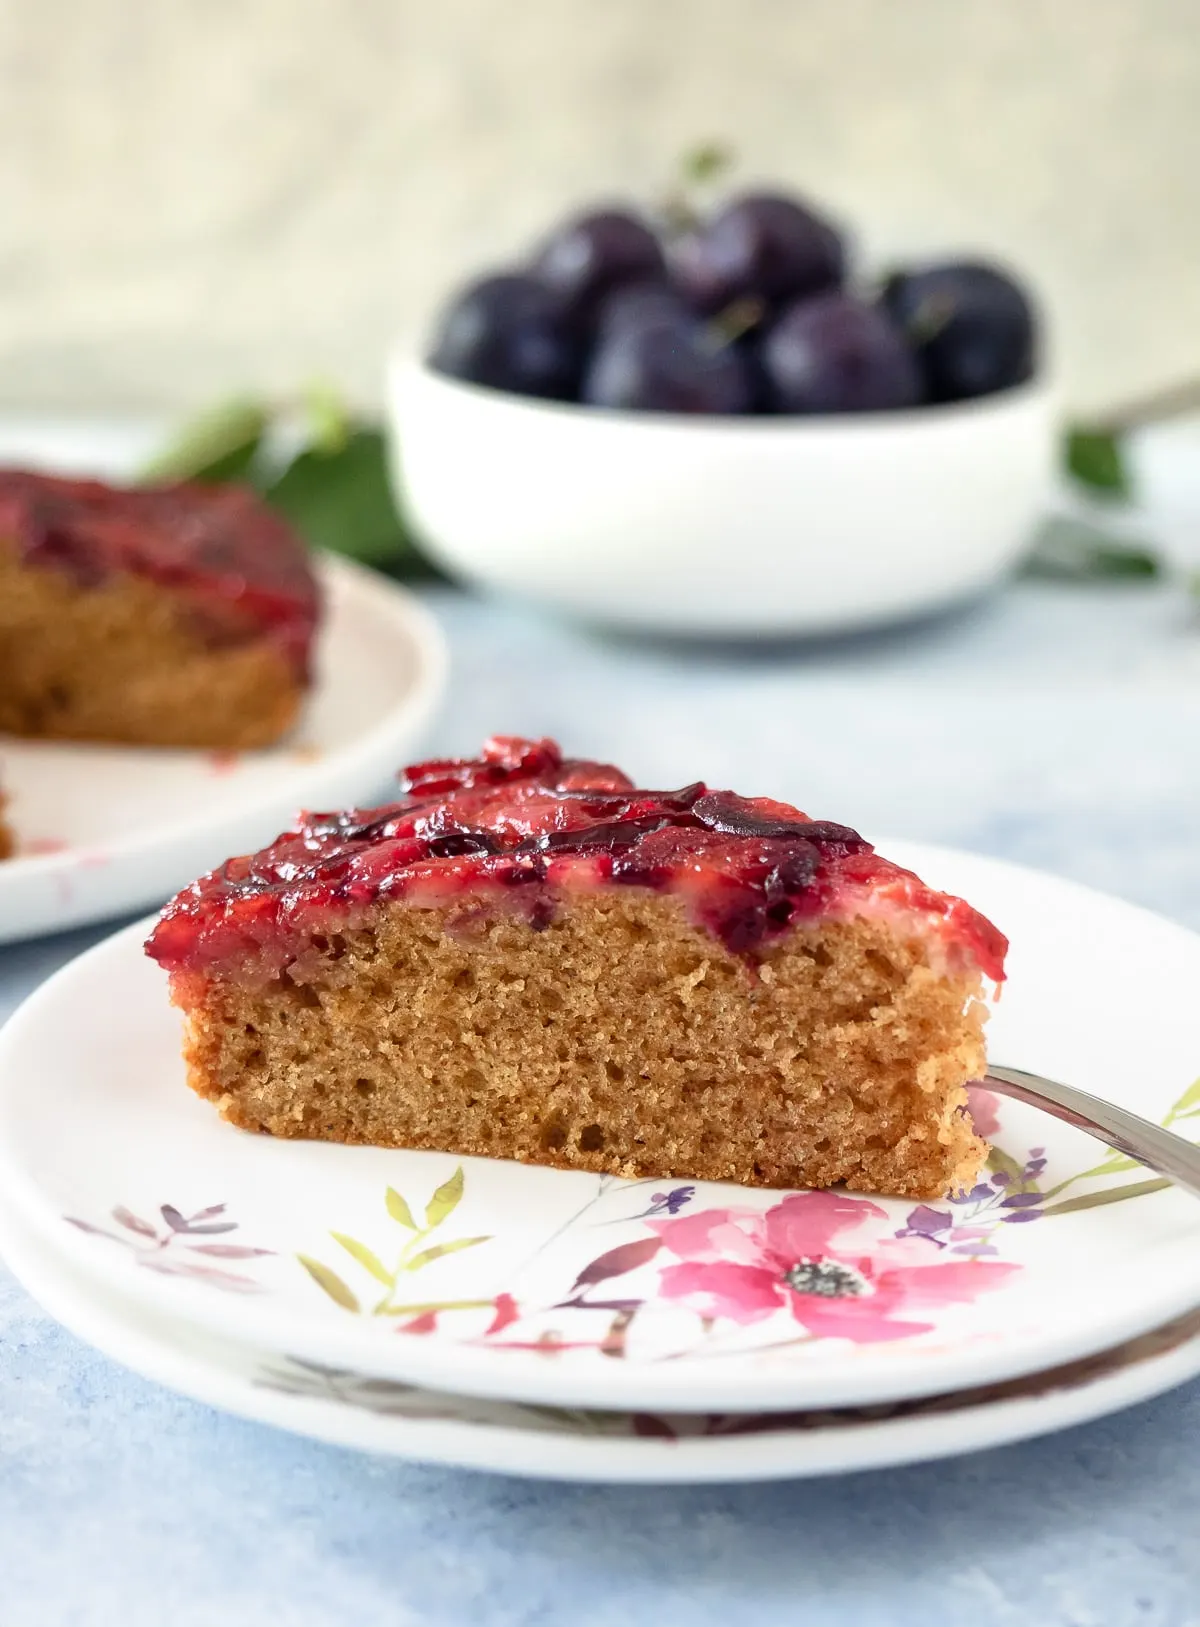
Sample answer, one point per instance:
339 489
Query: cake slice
176 616
527 957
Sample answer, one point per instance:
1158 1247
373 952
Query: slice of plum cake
527 957
178 615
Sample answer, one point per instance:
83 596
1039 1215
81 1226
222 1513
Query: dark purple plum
590 255
671 365
505 331
759 246
833 353
972 327
639 304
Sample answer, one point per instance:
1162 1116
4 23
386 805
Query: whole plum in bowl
720 431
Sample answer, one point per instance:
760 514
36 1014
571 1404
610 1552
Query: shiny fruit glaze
521 828
243 571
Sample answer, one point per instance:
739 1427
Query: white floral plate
389 1417
106 830
562 1288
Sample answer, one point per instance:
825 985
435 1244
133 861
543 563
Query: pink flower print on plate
808 1255
985 1111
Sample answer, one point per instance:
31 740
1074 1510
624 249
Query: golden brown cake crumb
121 661
620 1039
528 957
177 615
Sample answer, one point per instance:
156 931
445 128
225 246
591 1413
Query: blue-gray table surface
1058 727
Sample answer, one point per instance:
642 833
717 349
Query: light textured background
206 193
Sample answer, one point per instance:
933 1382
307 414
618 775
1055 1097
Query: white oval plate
106 830
560 1287
401 1420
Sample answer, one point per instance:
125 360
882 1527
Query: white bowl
720 525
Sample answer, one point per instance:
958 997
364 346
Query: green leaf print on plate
412 1257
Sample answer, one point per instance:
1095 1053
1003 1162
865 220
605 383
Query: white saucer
107 830
400 1420
561 1288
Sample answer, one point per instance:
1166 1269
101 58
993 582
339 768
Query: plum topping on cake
520 828
240 566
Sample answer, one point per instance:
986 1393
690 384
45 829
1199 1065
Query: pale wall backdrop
201 194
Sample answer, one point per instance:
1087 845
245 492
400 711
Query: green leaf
330 1282
1093 1200
704 162
220 443
423 1307
370 1262
341 500
1094 457
445 1200
329 422
1003 1163
399 1210
428 1255
1189 1099
1115 1165
1073 550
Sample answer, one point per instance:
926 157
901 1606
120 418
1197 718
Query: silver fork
1160 1150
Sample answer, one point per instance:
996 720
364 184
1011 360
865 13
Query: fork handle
1160 1150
